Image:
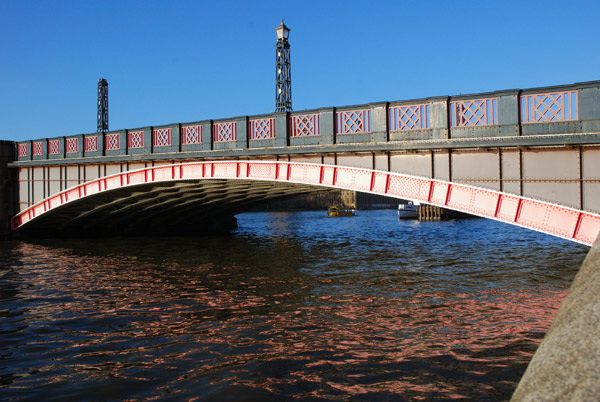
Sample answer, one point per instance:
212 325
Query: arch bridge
526 157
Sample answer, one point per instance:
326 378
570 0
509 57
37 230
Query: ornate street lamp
102 105
283 76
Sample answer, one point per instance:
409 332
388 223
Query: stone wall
566 366
7 187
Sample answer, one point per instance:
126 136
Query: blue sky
179 61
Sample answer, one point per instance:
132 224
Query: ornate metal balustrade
112 142
38 148
22 149
262 129
191 135
54 147
72 145
225 132
354 121
486 115
161 137
90 143
411 117
135 139
549 107
305 125
476 112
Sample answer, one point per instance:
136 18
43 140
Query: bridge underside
181 207
194 197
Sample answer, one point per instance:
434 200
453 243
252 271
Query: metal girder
221 187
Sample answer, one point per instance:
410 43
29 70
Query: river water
290 306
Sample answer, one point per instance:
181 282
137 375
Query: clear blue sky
179 61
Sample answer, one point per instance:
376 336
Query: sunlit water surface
291 306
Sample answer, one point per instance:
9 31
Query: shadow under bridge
162 207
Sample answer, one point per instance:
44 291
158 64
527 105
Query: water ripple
294 306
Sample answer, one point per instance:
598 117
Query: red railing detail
411 117
53 147
305 125
22 149
161 137
112 141
225 132
135 139
549 107
72 145
90 143
262 129
476 112
354 121
191 135
38 148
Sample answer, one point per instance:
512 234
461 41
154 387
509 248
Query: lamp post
283 76
102 105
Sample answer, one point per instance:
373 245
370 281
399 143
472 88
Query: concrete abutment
566 366
8 193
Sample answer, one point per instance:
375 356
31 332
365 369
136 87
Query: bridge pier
8 198
434 213
566 366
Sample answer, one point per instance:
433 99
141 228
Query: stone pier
8 196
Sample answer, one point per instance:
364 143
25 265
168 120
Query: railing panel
90 143
410 117
225 132
191 135
72 145
354 121
305 125
549 107
135 139
262 129
38 148
161 137
112 141
22 149
476 112
53 147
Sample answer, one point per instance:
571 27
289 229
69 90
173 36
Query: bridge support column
8 200
566 366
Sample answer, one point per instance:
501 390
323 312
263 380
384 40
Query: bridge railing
568 109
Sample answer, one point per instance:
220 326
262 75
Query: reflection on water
293 305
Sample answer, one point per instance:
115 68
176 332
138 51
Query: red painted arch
568 223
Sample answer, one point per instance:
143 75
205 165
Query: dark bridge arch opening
190 207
